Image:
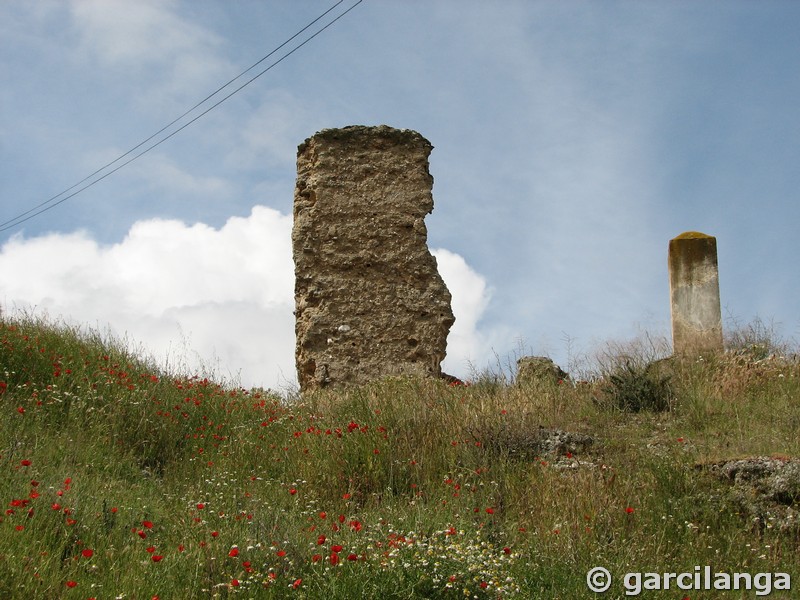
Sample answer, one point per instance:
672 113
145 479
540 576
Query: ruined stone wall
369 301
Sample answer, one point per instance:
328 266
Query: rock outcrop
369 301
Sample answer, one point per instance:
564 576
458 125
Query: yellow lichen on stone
692 235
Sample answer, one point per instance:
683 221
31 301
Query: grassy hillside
120 480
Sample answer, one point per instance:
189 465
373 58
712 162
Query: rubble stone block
369 300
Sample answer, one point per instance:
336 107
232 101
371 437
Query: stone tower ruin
369 301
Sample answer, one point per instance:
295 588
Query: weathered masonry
369 301
694 294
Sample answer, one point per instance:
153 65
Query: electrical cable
50 204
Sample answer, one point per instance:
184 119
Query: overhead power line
96 176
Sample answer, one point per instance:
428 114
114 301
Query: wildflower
234 552
200 506
352 556
629 510
71 584
297 583
292 491
281 553
87 552
25 463
316 558
334 558
156 557
235 582
336 548
321 540
323 515
20 410
151 549
148 524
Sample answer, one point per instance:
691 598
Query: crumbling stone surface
531 443
767 488
538 369
369 300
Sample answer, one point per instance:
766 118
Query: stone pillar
369 300
694 294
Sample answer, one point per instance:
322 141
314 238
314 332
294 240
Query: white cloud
466 345
199 297
227 292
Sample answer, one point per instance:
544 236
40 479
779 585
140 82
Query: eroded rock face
539 369
369 301
767 488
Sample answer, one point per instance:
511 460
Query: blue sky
572 140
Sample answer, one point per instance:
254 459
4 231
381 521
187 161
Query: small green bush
634 389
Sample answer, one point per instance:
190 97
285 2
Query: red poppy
235 582
87 552
297 583
321 540
281 553
233 553
352 556
148 524
156 558
71 584
334 559
629 510
25 463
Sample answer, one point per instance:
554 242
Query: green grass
132 482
